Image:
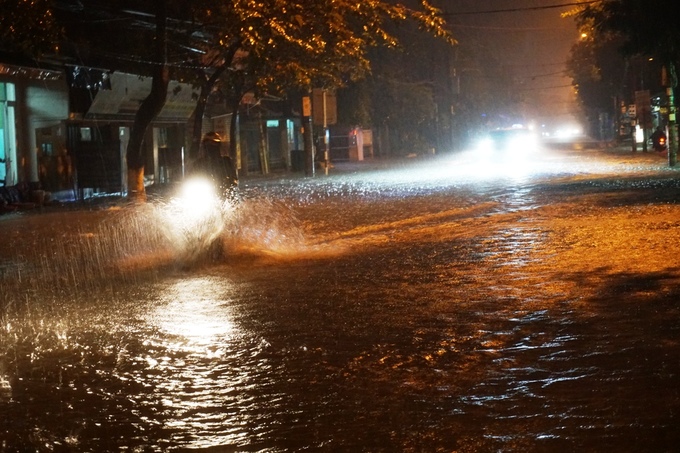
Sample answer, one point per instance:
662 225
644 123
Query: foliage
623 46
260 46
283 44
645 27
278 47
597 68
267 46
407 93
27 27
598 71
355 103
408 109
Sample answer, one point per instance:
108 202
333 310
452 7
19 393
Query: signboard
306 106
128 91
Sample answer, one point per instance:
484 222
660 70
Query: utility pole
307 134
672 124
324 113
672 130
326 156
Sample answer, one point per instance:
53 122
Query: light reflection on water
428 327
189 309
195 371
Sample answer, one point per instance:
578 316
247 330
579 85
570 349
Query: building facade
66 131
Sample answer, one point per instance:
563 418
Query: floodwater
421 306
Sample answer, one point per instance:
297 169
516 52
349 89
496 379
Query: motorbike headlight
198 198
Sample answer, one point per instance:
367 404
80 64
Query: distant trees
616 35
645 27
598 72
428 94
406 96
397 100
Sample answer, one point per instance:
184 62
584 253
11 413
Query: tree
597 70
278 46
142 34
645 29
28 27
141 46
265 46
150 106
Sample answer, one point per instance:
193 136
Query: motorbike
659 141
198 212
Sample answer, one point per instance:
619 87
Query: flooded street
423 306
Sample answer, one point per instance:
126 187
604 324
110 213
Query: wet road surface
424 306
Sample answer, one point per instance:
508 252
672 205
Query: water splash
263 226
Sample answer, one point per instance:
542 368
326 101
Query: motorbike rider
216 166
659 139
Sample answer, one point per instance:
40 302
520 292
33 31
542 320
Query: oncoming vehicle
511 142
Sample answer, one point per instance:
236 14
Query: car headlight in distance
513 141
525 142
484 145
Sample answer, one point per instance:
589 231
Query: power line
543 88
548 74
560 63
514 10
511 29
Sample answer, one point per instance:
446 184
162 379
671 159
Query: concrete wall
45 105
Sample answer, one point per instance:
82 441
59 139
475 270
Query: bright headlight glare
198 198
484 145
524 143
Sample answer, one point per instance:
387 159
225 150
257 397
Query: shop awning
127 93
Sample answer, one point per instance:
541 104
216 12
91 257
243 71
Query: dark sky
531 44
